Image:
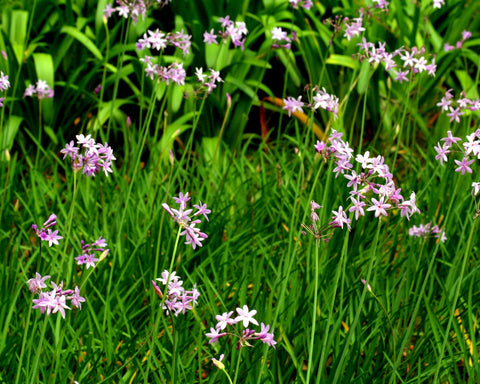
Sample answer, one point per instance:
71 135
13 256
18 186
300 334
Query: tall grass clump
280 191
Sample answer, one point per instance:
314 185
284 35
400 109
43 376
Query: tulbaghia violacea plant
133 8
280 38
176 299
208 81
411 60
321 100
95 158
373 189
428 230
456 108
228 325
469 151
45 233
158 40
307 4
236 30
41 90
193 235
54 300
4 85
87 257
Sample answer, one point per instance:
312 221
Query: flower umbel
88 257
178 299
182 216
55 300
96 157
46 234
245 317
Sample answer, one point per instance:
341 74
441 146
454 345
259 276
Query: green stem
67 233
24 343
314 316
174 353
34 379
237 368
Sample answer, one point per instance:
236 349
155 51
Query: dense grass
257 169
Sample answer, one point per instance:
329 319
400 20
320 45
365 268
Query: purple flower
339 218
133 8
178 299
214 335
355 28
46 234
52 237
455 114
246 316
4 83
210 37
88 256
464 165
41 90
36 284
379 206
264 336
95 158
53 301
292 105
450 140
401 76
428 230
442 152
224 320
202 210
76 299
192 234
325 101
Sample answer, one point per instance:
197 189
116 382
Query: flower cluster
457 108
321 100
4 85
355 28
411 60
174 72
54 300
46 234
96 157
244 316
159 40
438 3
307 4
42 90
381 4
470 150
181 216
465 35
373 187
208 81
177 300
237 31
88 257
428 230
280 39
317 231
133 8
